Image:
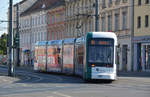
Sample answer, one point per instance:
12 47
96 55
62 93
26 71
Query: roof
20 2
40 5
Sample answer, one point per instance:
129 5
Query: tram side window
80 54
68 54
50 50
59 55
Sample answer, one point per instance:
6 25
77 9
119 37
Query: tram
91 56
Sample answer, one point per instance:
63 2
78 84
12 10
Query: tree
3 44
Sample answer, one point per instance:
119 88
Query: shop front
142 53
27 57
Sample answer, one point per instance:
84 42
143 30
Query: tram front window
101 55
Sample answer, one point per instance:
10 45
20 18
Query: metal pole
132 34
96 16
10 56
17 23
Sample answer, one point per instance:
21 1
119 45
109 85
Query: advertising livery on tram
91 56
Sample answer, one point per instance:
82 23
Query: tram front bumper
105 76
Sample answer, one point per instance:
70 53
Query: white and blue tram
91 57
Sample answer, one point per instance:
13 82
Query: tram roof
55 42
36 44
104 35
81 39
42 43
69 40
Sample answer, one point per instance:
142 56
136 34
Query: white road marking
60 86
61 94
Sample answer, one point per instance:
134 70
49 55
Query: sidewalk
133 74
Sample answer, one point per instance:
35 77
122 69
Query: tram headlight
93 65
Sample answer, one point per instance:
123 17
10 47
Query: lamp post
10 54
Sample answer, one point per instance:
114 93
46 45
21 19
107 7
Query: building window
139 22
124 20
146 1
124 1
116 22
32 21
38 20
109 23
117 1
45 19
146 20
59 16
103 4
52 19
139 2
49 19
110 3
103 24
90 26
56 17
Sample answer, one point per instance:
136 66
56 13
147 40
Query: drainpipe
96 16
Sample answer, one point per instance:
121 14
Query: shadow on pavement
134 74
42 77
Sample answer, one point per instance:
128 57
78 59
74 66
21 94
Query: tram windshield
101 51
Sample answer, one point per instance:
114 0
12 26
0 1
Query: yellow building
142 35
115 16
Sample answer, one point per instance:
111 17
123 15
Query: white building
33 28
22 6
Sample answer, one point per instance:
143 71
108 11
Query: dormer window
43 6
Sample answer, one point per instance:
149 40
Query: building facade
60 19
22 6
142 35
55 21
79 17
115 16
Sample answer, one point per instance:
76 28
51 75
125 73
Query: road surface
34 84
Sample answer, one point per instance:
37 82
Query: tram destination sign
100 42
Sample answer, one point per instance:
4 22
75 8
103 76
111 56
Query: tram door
124 57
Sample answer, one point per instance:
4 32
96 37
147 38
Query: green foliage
3 44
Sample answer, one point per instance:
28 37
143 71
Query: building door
124 57
139 57
147 65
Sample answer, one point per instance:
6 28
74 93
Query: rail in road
34 84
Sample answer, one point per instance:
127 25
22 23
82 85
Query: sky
3 14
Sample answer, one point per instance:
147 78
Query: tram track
30 82
31 76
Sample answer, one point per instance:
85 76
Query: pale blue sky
3 14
